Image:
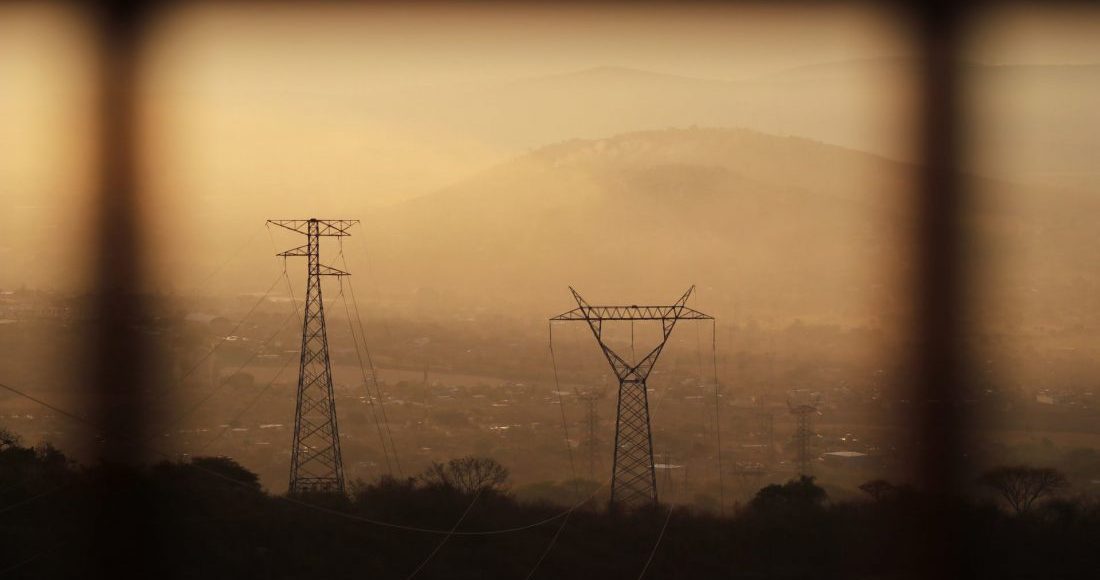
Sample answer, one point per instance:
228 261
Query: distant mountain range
801 212
862 110
1036 124
780 227
1033 123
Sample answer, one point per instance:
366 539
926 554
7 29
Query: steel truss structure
804 432
633 477
315 461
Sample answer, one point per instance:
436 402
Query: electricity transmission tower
633 478
591 441
803 432
315 462
767 433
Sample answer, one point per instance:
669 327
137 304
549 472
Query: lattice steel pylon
315 461
633 478
803 432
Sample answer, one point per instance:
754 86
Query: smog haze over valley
768 160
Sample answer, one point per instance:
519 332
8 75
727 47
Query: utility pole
633 478
315 462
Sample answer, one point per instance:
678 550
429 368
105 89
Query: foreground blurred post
940 423
123 531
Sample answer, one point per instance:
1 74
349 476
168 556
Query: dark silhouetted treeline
211 519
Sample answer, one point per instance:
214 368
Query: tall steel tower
767 434
633 479
803 412
315 462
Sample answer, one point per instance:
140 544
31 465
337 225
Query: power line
33 399
290 289
208 396
370 276
374 375
550 546
370 364
572 464
717 418
25 561
439 546
247 407
591 440
656 544
407 528
263 391
345 515
232 332
55 409
226 380
561 407
32 499
366 382
223 264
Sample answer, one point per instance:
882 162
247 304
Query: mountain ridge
602 212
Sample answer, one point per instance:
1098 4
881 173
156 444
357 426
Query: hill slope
781 225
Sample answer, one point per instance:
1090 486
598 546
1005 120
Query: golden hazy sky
352 48
253 109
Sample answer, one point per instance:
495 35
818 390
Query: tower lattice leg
633 479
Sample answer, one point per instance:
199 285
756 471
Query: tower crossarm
667 314
299 251
595 316
632 313
331 228
323 270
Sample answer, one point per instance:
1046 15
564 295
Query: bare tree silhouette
1021 486
467 474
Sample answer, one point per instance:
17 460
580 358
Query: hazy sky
497 154
1036 33
252 111
335 109
356 48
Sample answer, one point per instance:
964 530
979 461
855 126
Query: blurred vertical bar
940 421
123 533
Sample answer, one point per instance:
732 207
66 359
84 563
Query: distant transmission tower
633 478
591 440
803 432
767 433
315 462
